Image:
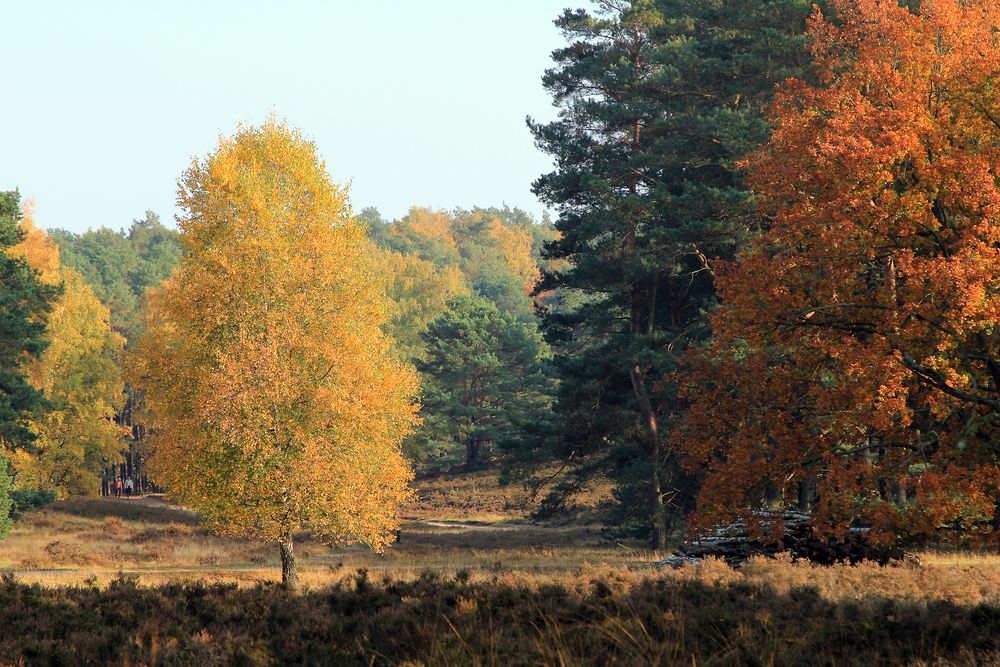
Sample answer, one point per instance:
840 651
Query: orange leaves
276 400
856 345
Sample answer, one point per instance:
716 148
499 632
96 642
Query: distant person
118 487
128 487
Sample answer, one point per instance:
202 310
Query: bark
471 453
807 495
289 570
658 511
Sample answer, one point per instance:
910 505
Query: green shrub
24 500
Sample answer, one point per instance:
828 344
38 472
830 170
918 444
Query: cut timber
735 544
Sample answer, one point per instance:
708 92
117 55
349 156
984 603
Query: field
141 582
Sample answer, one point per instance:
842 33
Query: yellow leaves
419 293
434 225
37 249
79 373
275 398
515 246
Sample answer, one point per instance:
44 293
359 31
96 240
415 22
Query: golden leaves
274 395
79 373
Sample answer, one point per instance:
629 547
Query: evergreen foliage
25 302
484 381
121 266
658 100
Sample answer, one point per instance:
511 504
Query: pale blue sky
417 103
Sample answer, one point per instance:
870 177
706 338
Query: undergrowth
449 620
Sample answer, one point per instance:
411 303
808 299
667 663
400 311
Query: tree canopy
854 364
25 302
658 100
485 380
121 266
79 373
275 400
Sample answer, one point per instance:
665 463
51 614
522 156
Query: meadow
470 582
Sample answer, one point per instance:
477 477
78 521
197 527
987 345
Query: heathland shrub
24 500
444 620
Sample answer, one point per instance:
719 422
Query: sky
107 102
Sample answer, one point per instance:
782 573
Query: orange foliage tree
855 368
275 401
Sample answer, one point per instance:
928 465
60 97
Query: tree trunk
471 453
658 511
807 494
289 572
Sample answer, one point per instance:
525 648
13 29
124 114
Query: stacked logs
735 544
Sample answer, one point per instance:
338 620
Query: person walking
128 487
118 487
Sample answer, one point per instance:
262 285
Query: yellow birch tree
275 401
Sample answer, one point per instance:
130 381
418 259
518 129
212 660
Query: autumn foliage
856 360
79 373
275 402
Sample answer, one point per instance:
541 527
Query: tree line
770 282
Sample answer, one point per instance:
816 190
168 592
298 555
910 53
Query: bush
435 620
24 500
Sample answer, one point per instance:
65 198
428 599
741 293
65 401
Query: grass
456 522
432 619
141 582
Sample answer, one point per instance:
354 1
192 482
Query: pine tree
25 302
657 100
484 378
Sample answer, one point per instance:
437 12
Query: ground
454 522
471 582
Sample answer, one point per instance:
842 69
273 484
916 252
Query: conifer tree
484 379
658 98
25 302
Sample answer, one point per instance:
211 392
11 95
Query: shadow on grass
441 621
150 511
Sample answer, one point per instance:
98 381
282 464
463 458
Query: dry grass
458 524
469 583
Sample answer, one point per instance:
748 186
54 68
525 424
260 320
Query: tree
855 365
6 487
657 100
419 293
79 372
121 266
276 403
25 302
484 378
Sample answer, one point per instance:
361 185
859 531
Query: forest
750 350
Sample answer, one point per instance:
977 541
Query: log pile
735 544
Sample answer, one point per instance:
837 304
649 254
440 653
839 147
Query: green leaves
120 267
659 100
484 377
24 305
